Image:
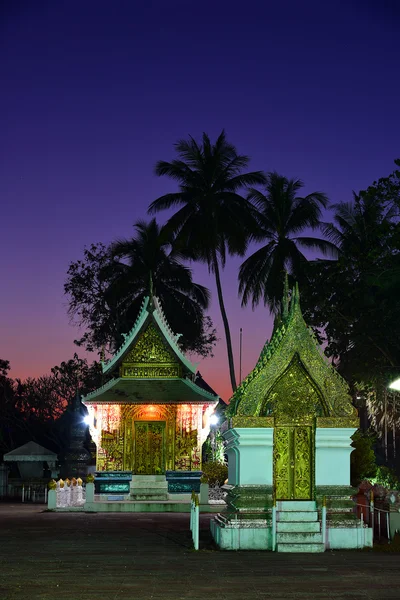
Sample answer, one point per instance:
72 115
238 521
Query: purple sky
93 93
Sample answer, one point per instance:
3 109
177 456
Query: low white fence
195 519
68 493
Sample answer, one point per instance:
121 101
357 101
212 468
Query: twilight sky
94 92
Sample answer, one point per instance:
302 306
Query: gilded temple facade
152 415
288 438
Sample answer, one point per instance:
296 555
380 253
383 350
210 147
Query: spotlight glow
214 420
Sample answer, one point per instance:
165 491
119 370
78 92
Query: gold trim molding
325 422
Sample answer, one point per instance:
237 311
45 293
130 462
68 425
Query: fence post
362 530
23 493
388 527
191 511
89 492
372 515
324 522
379 524
51 495
273 522
196 523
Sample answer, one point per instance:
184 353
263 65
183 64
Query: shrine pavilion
151 418
288 437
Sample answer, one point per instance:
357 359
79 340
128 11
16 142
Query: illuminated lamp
214 420
395 385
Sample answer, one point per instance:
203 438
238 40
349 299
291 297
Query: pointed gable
292 375
151 348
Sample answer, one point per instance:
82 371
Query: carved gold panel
149 447
293 462
150 370
150 357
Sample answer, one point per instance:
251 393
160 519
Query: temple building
151 417
288 438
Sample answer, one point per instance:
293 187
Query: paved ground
78 556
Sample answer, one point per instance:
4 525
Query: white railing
195 519
375 518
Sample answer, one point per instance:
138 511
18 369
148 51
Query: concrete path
82 556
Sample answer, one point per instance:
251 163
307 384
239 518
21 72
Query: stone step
296 505
139 478
151 485
298 516
302 526
150 497
300 548
299 537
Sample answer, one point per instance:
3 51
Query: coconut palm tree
213 219
147 264
282 215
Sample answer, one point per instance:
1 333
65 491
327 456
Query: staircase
149 487
297 527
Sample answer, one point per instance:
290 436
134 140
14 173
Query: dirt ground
139 556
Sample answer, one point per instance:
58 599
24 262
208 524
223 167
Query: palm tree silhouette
213 218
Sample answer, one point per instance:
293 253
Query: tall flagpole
240 357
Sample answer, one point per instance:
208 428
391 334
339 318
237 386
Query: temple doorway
149 447
293 462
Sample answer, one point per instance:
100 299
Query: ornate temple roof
151 310
150 367
154 391
292 374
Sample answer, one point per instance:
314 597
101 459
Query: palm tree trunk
225 322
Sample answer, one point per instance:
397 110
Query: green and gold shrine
152 416
288 438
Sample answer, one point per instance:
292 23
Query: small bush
214 472
387 478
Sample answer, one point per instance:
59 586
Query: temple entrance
293 462
149 447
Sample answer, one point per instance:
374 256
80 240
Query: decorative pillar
332 456
250 455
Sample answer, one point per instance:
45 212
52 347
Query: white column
332 455
250 455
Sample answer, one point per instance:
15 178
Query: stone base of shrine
241 535
145 507
256 534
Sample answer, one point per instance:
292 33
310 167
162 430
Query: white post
191 512
29 493
90 492
379 524
388 526
362 530
372 515
273 523
324 540
45 494
196 525
52 499
23 493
